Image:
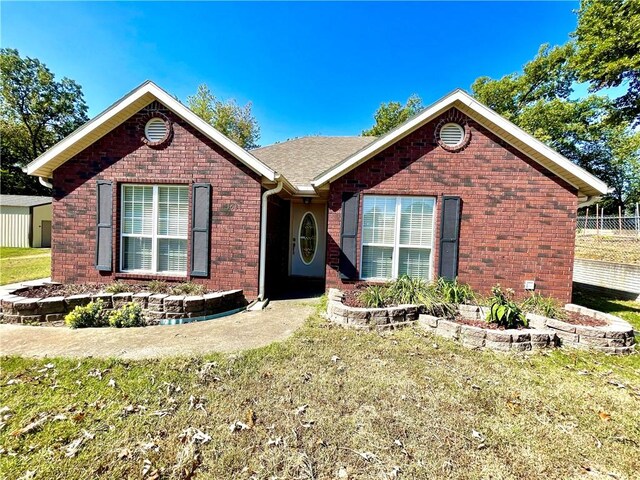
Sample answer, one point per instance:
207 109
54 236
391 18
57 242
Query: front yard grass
14 267
326 403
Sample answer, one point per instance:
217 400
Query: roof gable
122 110
583 181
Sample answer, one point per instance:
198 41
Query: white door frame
321 224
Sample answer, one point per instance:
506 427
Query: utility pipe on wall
263 235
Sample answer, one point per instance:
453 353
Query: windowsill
151 276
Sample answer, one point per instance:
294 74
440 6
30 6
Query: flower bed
156 308
615 336
359 317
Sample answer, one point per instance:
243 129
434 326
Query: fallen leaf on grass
32 427
97 373
28 475
112 383
73 447
193 435
250 417
274 442
14 381
124 453
335 359
301 409
161 413
238 426
196 404
604 416
477 435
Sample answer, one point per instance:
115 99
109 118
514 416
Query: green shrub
89 315
406 290
117 287
503 310
547 307
452 291
158 286
129 315
374 296
188 288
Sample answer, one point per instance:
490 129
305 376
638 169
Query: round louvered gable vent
156 130
452 134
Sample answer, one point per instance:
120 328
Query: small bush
503 310
374 296
452 291
117 287
129 315
158 286
188 288
547 307
86 316
406 290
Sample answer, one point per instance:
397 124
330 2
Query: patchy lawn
20 264
327 403
608 248
626 309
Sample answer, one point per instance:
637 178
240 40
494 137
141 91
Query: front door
308 239
45 231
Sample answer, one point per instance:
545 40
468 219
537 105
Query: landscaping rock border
616 338
155 307
367 318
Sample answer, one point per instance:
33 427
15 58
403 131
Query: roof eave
583 181
135 100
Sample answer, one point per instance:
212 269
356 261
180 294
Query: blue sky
309 68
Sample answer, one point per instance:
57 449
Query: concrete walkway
241 331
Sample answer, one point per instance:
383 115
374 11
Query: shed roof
23 200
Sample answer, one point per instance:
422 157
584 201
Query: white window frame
155 237
395 259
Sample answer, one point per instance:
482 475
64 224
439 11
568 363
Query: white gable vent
452 134
155 130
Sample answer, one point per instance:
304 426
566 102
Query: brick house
147 190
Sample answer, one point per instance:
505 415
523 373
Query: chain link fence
612 238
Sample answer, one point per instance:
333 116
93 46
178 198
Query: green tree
392 114
36 111
539 101
608 50
229 118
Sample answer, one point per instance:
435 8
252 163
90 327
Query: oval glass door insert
308 238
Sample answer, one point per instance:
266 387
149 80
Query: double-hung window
154 220
397 237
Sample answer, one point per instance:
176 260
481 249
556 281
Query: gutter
262 301
45 182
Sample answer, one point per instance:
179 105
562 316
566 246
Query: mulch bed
575 318
86 288
351 298
479 323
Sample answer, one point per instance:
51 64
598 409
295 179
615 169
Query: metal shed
25 221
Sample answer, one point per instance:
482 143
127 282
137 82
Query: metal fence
612 238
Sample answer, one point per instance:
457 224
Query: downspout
263 236
44 182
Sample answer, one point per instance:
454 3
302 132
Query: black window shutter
449 237
104 225
348 236
200 221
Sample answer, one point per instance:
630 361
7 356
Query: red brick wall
188 157
518 220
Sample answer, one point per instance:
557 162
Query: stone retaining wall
616 337
155 307
379 318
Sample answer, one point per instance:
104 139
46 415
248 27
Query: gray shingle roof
302 159
23 200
